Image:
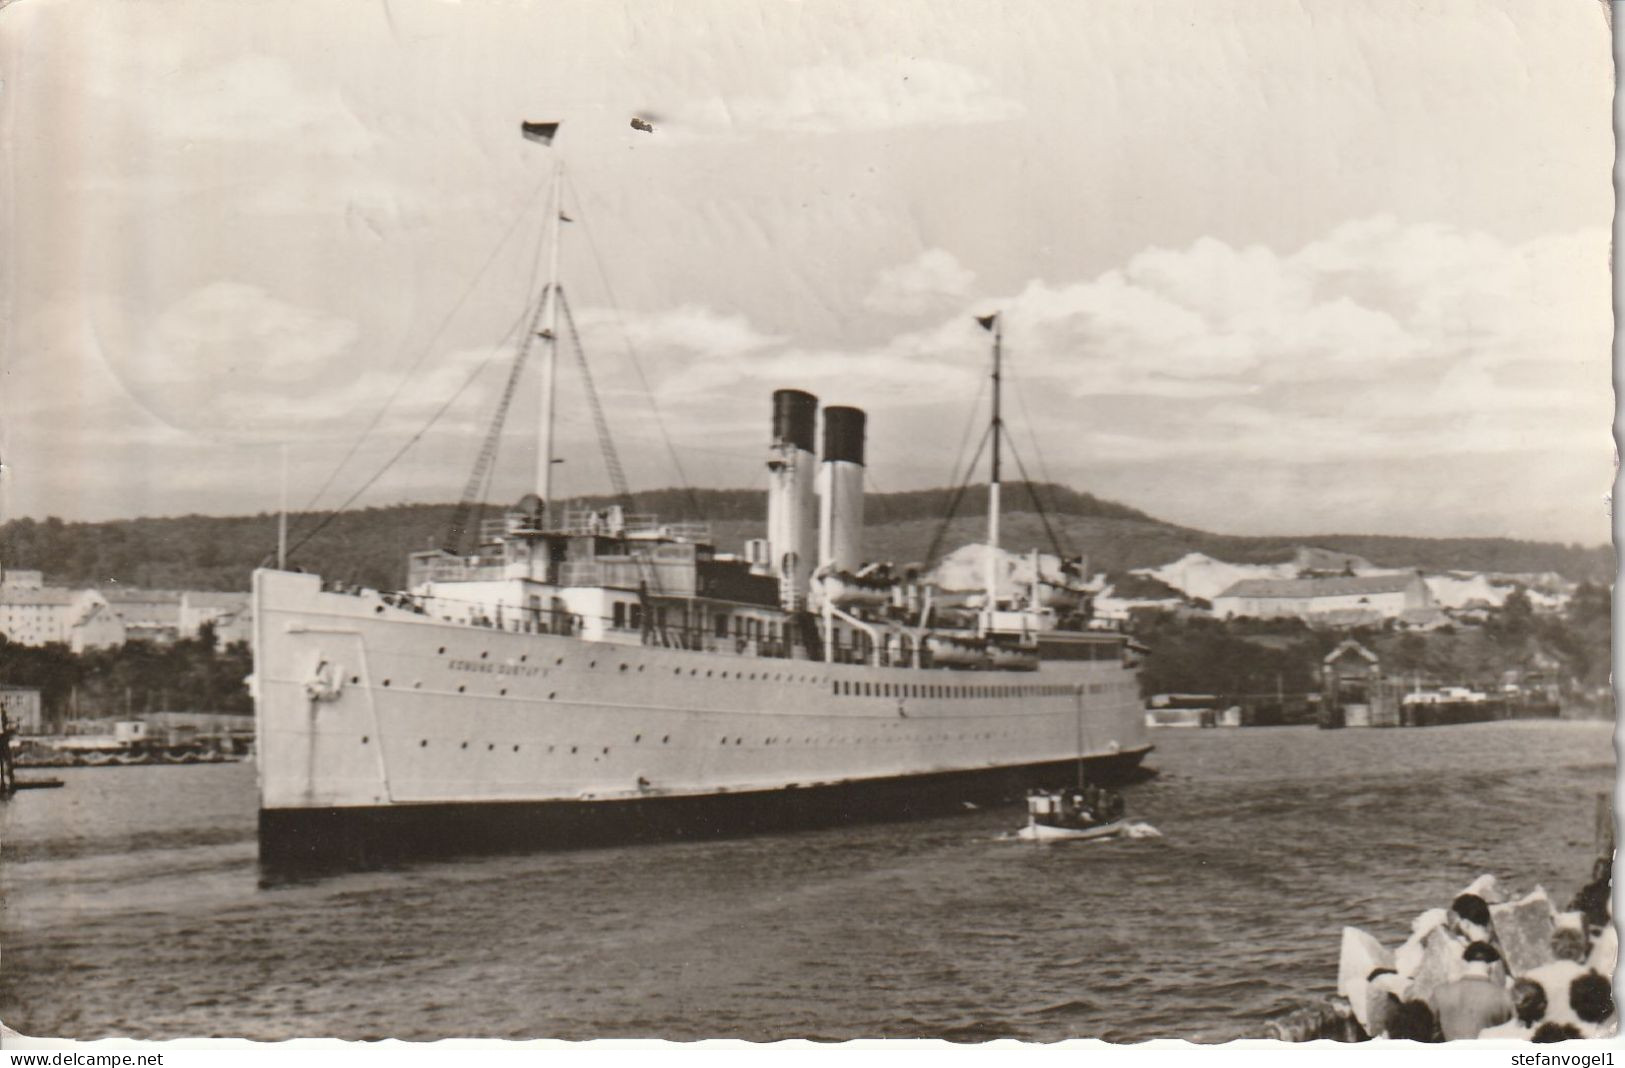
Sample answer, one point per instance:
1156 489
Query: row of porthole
752 677
765 676
356 679
666 740
524 658
742 677
832 741
423 743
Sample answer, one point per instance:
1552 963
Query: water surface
133 905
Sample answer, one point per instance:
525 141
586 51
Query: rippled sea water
133 905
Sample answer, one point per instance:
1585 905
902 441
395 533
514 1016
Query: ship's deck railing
457 569
631 524
493 530
608 523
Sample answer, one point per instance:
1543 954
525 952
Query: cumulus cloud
1377 304
1210 368
695 330
1377 346
933 278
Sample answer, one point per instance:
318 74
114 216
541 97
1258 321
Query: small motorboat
1073 815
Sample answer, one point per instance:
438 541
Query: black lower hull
319 838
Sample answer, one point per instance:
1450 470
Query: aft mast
543 133
994 323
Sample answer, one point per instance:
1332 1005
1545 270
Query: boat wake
1130 829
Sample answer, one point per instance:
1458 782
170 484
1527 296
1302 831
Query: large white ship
586 676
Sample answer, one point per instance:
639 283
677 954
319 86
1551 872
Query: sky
1264 267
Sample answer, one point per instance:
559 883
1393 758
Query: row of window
853 688
490 747
630 615
845 688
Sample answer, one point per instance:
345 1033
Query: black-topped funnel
795 419
843 435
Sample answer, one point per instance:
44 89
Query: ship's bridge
590 547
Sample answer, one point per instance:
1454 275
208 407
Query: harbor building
1340 599
21 707
99 628
32 613
39 614
148 615
227 613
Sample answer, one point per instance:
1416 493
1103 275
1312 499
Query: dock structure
1356 691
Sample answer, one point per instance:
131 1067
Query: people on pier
1569 944
1529 972
1470 918
1551 1031
1475 1001
1414 1020
1384 990
1591 997
1595 900
1528 1009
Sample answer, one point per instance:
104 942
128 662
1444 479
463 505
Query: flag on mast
541 132
987 321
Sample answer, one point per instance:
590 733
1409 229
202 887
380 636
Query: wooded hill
370 546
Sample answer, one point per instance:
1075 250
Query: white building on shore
32 613
1387 596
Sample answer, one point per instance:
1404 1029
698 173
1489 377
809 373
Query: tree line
369 546
189 675
1249 657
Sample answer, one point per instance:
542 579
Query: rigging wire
334 513
955 479
476 492
970 422
1032 434
959 495
428 346
632 355
606 444
1043 516
480 500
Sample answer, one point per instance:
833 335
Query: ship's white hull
365 707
